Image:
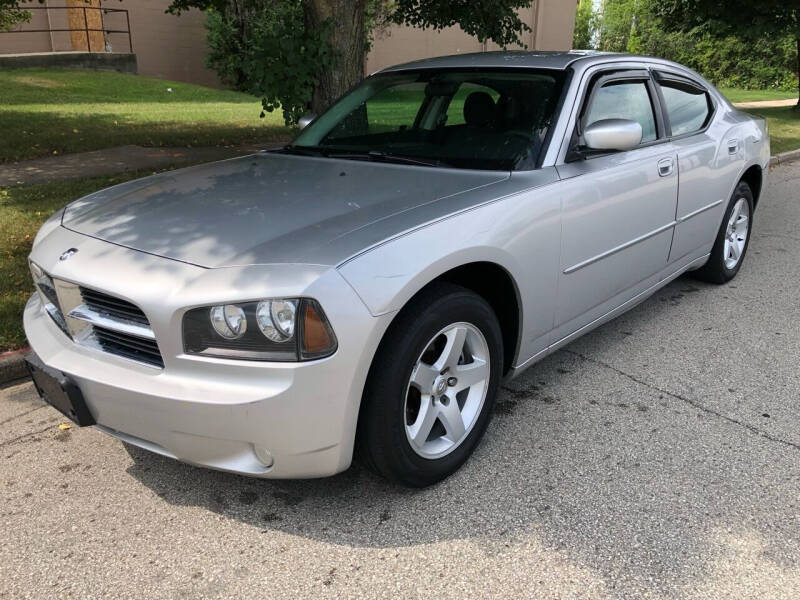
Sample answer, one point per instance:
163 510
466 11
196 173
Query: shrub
266 51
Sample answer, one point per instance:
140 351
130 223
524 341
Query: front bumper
264 420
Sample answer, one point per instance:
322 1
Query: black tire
382 444
715 270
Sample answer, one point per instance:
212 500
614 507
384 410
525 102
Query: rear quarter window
688 108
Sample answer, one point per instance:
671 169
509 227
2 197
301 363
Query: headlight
277 329
44 285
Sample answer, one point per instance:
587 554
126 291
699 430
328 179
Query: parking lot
657 457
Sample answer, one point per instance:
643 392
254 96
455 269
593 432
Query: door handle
665 167
733 146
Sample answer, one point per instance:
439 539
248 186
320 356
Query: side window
624 100
687 107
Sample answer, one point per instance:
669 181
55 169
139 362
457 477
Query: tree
764 18
343 27
585 25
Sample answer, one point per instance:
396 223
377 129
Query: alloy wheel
736 234
447 390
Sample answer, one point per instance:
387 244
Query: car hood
265 208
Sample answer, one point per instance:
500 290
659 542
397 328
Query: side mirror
304 121
613 134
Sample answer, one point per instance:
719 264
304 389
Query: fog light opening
264 455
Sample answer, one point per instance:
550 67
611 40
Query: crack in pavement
23 414
693 403
24 435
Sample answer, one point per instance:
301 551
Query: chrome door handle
665 167
733 146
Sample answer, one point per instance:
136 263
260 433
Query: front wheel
732 240
431 387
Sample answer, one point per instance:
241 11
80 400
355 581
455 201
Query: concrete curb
784 157
12 365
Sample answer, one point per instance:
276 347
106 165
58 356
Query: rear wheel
431 387
732 240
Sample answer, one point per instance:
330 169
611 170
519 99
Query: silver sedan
364 289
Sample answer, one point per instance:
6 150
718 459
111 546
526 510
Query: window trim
597 82
660 77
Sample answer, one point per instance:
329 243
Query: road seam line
12 441
693 403
8 420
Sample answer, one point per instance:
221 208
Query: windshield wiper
301 150
372 155
380 156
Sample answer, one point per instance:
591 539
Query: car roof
509 59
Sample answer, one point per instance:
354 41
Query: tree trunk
348 42
797 69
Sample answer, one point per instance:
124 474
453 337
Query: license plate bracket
55 388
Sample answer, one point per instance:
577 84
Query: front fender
519 233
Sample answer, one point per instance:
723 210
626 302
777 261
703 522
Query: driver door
618 208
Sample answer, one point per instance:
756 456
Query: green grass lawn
784 127
736 95
22 211
47 111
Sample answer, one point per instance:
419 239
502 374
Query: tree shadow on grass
28 135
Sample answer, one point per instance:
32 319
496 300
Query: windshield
494 120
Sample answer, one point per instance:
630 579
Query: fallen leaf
65 426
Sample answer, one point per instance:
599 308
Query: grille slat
114 307
129 346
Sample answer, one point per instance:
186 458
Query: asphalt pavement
657 457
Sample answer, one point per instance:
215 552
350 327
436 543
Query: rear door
705 167
618 209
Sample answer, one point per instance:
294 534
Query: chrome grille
103 322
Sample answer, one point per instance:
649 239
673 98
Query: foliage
267 47
774 20
496 20
755 54
585 25
11 14
762 17
268 52
10 17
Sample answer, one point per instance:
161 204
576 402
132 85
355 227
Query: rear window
688 107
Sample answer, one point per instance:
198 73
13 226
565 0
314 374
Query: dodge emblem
67 253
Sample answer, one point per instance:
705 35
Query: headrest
479 110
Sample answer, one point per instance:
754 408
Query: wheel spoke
452 349
736 210
421 429
736 252
423 377
452 419
470 374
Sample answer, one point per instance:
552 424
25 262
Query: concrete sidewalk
766 103
114 160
